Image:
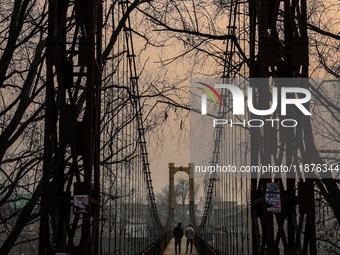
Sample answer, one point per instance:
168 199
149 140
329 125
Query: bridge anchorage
84 183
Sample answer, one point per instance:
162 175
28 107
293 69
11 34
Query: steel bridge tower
172 171
277 54
72 134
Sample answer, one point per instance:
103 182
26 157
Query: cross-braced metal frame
73 96
275 53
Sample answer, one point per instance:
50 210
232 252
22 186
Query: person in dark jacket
178 234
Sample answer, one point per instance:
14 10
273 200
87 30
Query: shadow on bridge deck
170 250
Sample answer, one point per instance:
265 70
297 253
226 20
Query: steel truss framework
73 95
275 55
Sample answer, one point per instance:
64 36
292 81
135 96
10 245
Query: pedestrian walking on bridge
178 234
190 235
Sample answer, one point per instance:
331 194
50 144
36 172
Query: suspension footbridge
97 187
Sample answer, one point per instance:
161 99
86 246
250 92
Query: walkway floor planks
170 250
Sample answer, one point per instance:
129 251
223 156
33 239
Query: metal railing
159 246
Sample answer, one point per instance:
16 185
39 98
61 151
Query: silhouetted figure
190 235
178 234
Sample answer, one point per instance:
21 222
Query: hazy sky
172 151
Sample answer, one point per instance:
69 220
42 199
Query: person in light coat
190 235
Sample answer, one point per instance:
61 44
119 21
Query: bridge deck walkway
170 250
